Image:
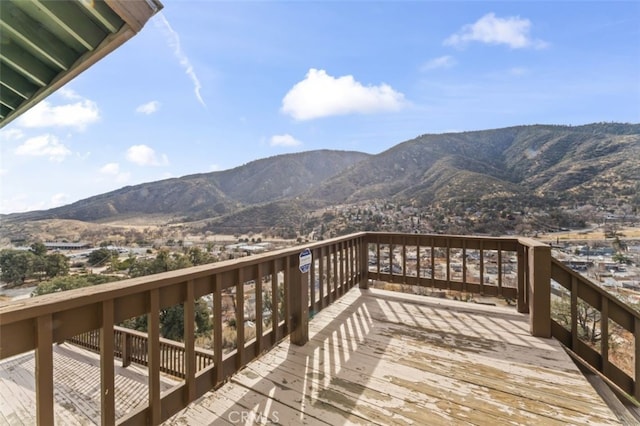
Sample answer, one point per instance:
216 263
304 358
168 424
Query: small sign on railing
305 260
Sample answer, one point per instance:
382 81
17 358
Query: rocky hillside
523 166
511 162
211 194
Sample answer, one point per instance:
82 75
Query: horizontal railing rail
592 323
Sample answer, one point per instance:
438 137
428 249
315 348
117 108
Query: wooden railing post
363 246
539 291
44 370
523 298
126 349
299 300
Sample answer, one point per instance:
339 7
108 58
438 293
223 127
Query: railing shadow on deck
342 364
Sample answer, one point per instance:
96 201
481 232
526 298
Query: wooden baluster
574 313
240 357
418 263
363 262
259 308
217 330
433 263
499 269
343 274
404 259
189 360
275 329
604 336
448 257
336 272
523 276
481 268
378 258
313 305
321 278
464 265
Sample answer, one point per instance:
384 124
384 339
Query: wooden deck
76 387
374 357
377 357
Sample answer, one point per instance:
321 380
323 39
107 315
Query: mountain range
522 164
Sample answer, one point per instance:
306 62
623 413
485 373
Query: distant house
55 245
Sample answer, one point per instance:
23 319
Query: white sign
305 260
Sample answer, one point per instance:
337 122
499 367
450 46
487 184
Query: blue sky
211 85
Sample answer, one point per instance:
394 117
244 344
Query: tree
588 318
39 249
100 257
621 258
171 318
56 264
16 266
71 282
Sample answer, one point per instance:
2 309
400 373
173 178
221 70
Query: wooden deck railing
518 269
131 346
593 323
512 268
279 289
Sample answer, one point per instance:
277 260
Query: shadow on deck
377 357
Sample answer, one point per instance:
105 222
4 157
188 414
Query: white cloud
215 167
44 146
20 203
512 31
4 172
518 71
59 199
440 62
113 169
11 135
321 95
146 156
148 108
174 43
23 203
284 140
77 115
110 169
69 94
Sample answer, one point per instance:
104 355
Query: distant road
593 233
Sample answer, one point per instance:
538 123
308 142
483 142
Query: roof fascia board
135 14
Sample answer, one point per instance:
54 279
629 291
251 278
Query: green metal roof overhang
46 43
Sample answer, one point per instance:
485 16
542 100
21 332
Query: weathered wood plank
380 358
373 358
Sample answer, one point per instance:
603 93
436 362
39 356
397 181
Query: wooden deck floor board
76 387
378 365
337 402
